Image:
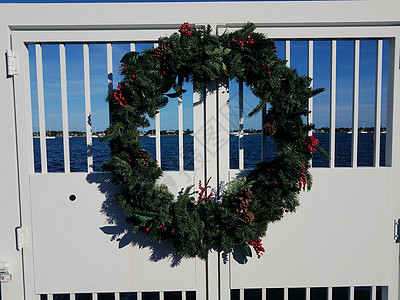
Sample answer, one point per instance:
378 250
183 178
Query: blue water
169 151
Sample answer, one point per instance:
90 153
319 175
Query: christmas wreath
236 219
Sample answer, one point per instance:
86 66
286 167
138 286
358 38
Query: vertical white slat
373 292
72 297
330 293
158 130
356 91
241 294
117 296
49 296
308 293
263 136
41 111
183 295
64 104
286 293
287 52
378 103
89 142
133 47
180 133
351 293
139 295
158 137
311 75
109 67
263 294
333 106
240 130
94 296
161 295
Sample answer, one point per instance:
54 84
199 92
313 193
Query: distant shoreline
190 132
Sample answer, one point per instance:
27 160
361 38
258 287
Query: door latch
4 275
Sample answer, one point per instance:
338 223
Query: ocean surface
169 151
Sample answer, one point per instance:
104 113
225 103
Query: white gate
339 245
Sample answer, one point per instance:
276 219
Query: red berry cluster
186 29
203 192
257 247
243 40
119 98
269 70
303 178
311 143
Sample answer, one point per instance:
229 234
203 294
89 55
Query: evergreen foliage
242 213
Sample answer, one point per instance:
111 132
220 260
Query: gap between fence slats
378 103
356 91
332 128
40 95
180 133
64 104
241 121
310 74
89 142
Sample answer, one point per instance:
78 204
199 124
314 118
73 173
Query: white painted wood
94 296
158 130
180 134
240 129
64 101
72 297
308 293
223 130
332 138
109 67
241 294
198 139
378 103
287 52
133 47
88 109
264 294
330 293
41 109
351 293
285 293
356 91
161 295
373 292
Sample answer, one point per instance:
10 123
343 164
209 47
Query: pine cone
268 129
243 200
142 156
248 217
160 50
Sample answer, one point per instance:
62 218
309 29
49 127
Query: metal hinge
19 232
396 230
12 63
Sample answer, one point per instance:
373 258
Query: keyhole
72 197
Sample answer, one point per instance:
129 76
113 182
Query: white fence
339 245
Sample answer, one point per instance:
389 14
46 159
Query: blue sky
169 114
